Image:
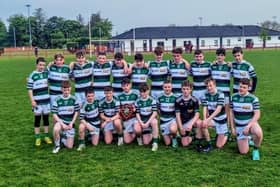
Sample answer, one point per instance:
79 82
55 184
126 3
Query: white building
202 37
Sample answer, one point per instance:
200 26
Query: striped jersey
138 76
241 70
65 108
243 108
57 74
187 107
90 113
118 75
166 107
146 107
212 101
221 73
38 83
82 75
127 98
158 73
179 73
109 108
101 75
200 72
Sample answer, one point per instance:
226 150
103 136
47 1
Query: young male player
187 114
89 119
245 109
38 93
214 114
65 111
146 126
166 108
242 69
109 113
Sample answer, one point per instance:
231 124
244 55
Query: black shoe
207 149
199 148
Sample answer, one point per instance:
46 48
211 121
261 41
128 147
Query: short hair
80 53
58 55
108 89
209 79
167 82
65 84
187 83
126 81
118 56
158 50
198 52
89 90
40 59
177 50
143 87
138 57
101 53
221 51
245 81
237 50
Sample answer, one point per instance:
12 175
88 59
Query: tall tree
38 21
100 27
19 23
80 19
3 34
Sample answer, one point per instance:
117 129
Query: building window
278 37
145 45
269 38
239 39
228 42
215 42
160 44
202 43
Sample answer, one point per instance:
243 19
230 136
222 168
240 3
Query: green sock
37 136
155 140
81 141
46 134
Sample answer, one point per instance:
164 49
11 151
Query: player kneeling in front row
65 112
245 109
146 114
214 114
166 108
109 113
37 86
89 119
187 114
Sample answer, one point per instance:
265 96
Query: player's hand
246 130
189 128
145 125
103 124
33 103
205 123
182 131
70 126
229 64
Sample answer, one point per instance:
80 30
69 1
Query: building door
150 45
145 47
174 43
132 46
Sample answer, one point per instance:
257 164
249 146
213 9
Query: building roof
194 31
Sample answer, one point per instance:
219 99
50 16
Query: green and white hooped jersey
179 73
221 72
241 70
243 108
101 75
65 108
57 74
146 107
118 75
127 98
82 75
212 101
166 106
90 113
138 76
109 108
38 83
200 72
158 73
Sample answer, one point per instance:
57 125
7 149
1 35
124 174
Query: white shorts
156 93
186 125
81 97
220 128
42 109
239 133
165 127
198 94
52 98
109 127
70 133
96 131
129 125
99 95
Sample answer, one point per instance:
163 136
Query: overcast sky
126 14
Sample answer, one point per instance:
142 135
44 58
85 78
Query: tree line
53 32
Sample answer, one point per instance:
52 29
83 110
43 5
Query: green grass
22 164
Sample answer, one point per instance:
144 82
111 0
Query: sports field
22 164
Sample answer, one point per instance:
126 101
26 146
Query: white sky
126 14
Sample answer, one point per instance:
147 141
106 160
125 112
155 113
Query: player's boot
38 142
48 140
120 141
81 147
56 149
139 140
256 154
154 147
174 143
